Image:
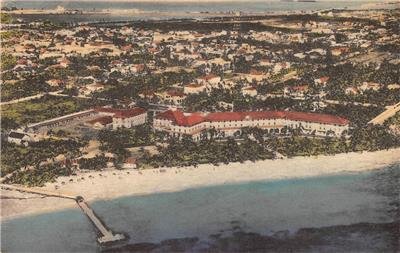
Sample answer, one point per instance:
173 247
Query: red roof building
100 122
124 117
177 122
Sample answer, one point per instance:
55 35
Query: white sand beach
117 183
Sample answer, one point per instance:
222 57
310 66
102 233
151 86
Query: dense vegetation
185 152
116 141
37 110
257 144
23 88
112 140
15 157
40 175
95 163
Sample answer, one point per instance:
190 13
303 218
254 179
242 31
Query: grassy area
7 61
37 110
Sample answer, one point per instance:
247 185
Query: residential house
249 91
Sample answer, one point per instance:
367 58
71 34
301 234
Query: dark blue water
261 207
199 6
152 10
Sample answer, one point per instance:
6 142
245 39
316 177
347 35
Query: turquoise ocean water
262 207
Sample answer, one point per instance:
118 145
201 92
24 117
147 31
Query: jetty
36 191
106 236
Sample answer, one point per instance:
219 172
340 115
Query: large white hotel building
178 123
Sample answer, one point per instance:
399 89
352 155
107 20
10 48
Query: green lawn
37 110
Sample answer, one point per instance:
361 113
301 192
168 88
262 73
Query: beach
107 185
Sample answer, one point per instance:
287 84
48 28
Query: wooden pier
106 237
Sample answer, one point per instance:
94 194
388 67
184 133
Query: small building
209 79
147 94
393 86
19 138
249 91
351 91
194 88
322 80
123 117
90 88
255 75
100 122
339 51
172 97
129 163
297 92
55 82
369 86
64 62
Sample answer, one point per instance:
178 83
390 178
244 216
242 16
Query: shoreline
209 14
112 184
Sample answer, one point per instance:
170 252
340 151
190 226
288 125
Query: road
336 102
389 112
53 93
22 99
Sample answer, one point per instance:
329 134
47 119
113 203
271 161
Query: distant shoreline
114 184
139 12
119 12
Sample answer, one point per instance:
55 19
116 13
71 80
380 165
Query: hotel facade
177 123
119 118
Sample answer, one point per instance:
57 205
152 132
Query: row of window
240 125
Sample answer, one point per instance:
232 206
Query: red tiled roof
317 117
22 62
174 93
178 118
299 88
105 120
139 67
152 50
147 93
194 118
194 85
115 62
129 113
130 160
255 72
249 88
126 48
324 79
122 113
208 77
65 61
